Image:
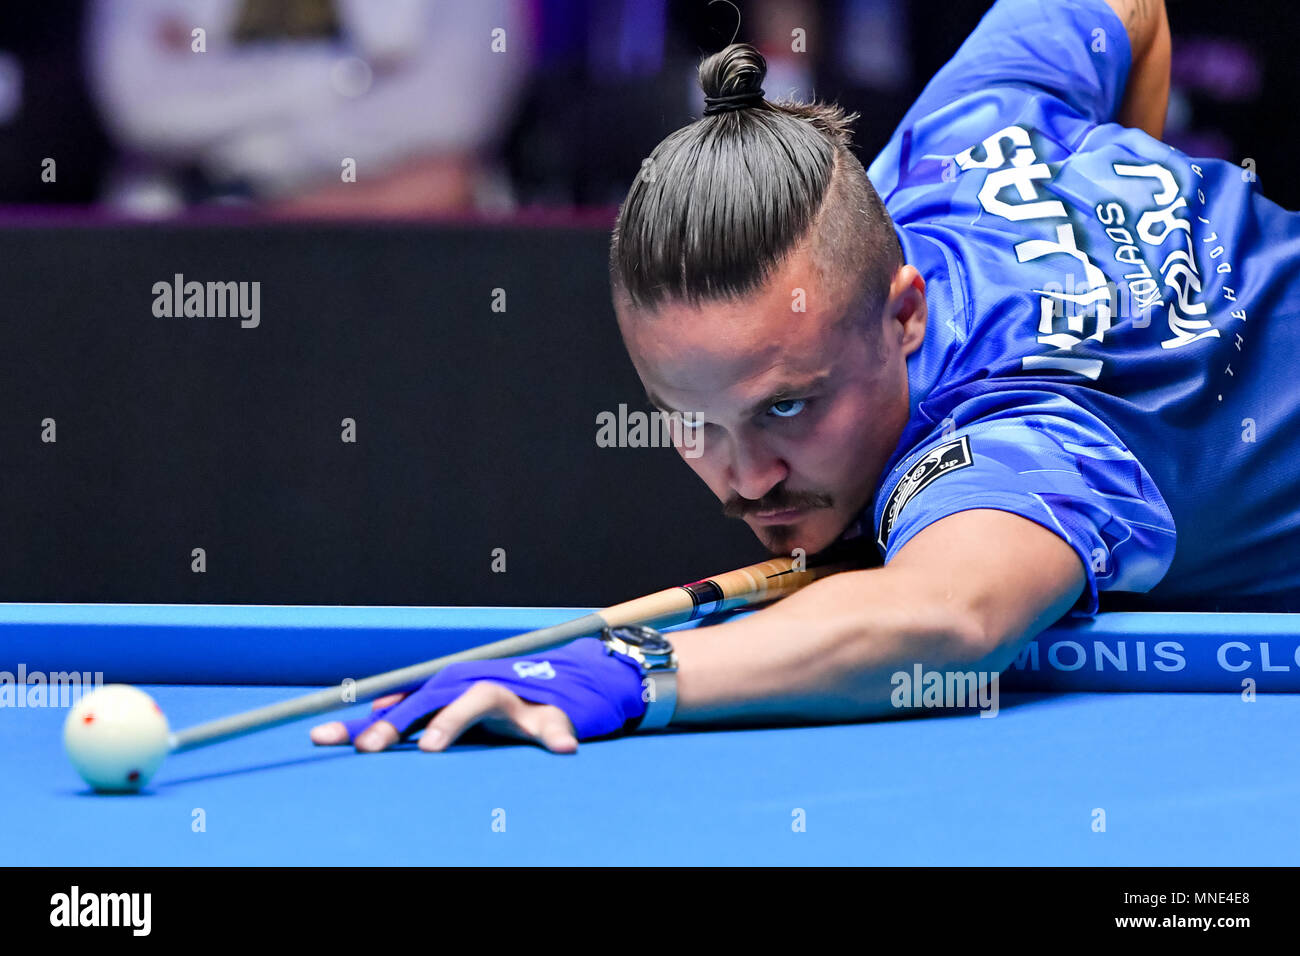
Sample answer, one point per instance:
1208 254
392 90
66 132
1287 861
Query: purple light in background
1224 69
641 46
873 44
561 26
1209 144
627 37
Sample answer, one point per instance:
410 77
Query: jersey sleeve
1076 51
1045 459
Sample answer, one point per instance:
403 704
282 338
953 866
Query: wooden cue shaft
755 584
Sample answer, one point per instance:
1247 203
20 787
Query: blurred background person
279 101
442 115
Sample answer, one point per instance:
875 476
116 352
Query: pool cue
743 587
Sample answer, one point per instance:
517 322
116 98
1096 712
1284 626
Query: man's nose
755 471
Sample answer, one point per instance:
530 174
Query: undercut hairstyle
721 203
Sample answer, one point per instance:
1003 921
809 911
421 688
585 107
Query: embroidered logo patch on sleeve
939 461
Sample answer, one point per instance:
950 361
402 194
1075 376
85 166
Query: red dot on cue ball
133 776
88 719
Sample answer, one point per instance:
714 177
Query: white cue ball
116 737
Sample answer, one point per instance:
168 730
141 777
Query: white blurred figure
416 92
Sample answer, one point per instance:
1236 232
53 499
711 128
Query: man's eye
789 408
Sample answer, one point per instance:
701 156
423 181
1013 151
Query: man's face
798 410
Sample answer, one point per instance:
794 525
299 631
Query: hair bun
732 79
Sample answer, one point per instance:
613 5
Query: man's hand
1146 99
486 704
557 698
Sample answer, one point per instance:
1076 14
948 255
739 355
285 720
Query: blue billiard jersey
1113 326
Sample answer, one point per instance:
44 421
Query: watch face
647 638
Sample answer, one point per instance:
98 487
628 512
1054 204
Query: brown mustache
737 507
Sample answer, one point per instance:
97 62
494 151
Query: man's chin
812 535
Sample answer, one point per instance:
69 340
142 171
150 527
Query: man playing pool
1045 357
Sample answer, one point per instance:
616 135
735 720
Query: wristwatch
652 652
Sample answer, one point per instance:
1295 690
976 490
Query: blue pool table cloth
1179 779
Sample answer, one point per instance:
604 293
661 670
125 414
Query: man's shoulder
1071 57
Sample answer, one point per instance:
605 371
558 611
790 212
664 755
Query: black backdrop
476 429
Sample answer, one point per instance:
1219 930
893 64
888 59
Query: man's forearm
827 652
1146 97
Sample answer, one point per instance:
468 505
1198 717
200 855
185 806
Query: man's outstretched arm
1146 98
966 593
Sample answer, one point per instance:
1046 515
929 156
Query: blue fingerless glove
599 691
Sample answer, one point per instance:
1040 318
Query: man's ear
906 309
